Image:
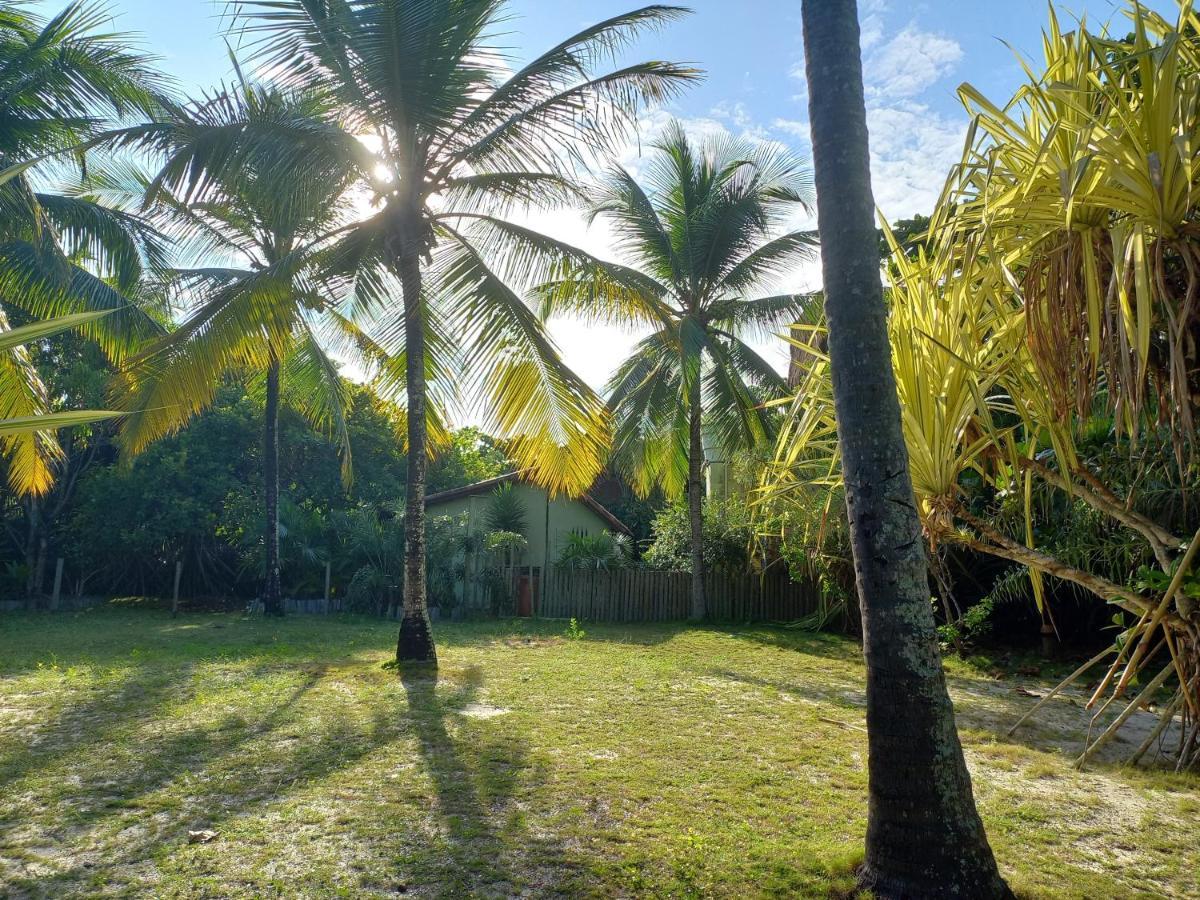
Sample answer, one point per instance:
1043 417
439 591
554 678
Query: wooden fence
623 595
647 595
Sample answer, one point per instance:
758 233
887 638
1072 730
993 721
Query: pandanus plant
1059 287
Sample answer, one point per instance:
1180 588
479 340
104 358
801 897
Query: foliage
506 511
728 533
506 543
250 290
1054 294
449 542
974 624
448 164
470 457
573 631
703 238
62 80
596 551
198 495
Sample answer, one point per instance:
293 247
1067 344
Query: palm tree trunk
415 644
272 592
33 587
924 835
696 500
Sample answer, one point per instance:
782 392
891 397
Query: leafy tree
129 524
458 141
728 533
470 457
702 239
924 835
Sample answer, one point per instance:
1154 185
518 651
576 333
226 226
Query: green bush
727 537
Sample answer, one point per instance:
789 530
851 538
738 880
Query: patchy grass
638 761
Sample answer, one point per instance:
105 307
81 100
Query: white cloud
909 63
912 151
913 146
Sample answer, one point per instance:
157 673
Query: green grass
638 761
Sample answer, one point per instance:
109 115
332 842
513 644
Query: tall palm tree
257 306
62 254
458 141
924 835
703 239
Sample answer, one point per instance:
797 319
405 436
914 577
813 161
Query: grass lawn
638 761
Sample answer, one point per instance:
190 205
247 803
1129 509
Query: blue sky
915 56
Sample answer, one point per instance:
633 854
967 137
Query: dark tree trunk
272 593
696 500
924 835
415 646
33 586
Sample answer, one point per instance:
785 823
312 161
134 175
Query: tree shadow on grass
476 766
991 707
122 813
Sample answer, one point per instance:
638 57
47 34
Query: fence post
328 565
175 590
58 573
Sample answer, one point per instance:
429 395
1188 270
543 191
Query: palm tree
62 254
924 835
264 313
457 142
703 239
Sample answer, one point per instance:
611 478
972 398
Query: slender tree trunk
924 835
415 646
33 587
272 593
696 500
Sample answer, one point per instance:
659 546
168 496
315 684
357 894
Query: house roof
483 487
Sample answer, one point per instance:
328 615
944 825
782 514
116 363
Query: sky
915 55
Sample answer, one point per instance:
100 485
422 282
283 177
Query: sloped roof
484 487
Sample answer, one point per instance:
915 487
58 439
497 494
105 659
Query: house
548 522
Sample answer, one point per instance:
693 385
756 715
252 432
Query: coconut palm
924 835
255 306
62 254
703 239
457 141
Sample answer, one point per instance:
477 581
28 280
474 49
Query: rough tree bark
695 492
272 592
414 646
924 835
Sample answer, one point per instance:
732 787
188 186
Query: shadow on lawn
104 795
118 816
471 793
991 707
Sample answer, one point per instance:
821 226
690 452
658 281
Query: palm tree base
983 885
415 648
